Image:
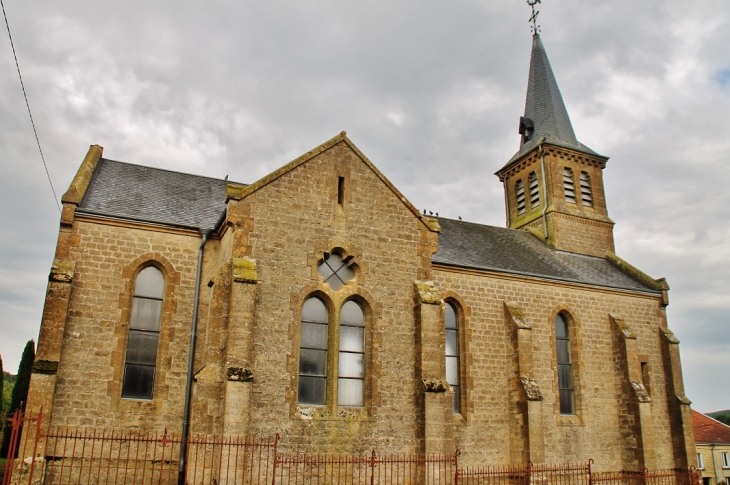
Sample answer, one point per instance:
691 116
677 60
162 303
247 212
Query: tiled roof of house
129 191
708 430
502 250
125 191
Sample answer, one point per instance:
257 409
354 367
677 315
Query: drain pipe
544 188
188 386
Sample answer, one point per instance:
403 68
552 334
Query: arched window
565 377
144 334
585 189
520 194
569 185
313 352
351 367
534 191
452 355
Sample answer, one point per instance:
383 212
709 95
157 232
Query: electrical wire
38 141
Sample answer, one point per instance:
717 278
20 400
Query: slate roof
478 246
545 107
708 430
128 191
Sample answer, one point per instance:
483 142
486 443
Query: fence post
644 475
276 459
456 466
15 422
528 470
590 472
372 468
37 436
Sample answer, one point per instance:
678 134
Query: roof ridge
171 171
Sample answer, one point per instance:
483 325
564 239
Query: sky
430 91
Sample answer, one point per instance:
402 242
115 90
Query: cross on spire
533 18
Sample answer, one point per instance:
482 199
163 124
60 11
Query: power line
38 141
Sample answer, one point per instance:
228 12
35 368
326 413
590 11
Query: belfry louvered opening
534 191
520 194
569 185
585 189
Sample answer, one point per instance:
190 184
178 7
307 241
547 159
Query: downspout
506 200
191 357
544 188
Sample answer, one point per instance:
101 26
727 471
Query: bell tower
554 184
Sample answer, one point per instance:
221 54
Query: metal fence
117 456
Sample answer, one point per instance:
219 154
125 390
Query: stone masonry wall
287 226
493 407
90 371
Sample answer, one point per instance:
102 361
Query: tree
20 392
2 382
723 418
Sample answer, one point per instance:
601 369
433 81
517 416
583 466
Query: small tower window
534 191
520 194
569 185
585 189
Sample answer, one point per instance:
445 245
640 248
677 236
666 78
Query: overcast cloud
430 91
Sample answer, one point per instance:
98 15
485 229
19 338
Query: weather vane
535 28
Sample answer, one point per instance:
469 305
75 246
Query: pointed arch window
452 355
351 362
534 191
318 371
313 352
144 333
520 195
565 371
585 189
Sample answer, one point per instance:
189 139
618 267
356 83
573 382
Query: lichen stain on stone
532 390
428 293
244 270
240 374
62 270
641 393
436 385
44 367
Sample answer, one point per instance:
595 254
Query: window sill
570 420
323 413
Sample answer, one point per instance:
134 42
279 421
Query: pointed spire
545 113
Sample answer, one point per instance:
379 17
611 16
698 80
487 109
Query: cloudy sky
430 91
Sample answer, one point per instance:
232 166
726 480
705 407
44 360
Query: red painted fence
114 456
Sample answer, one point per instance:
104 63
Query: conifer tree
20 392
2 385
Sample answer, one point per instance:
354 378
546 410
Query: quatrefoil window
335 271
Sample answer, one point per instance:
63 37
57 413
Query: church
320 304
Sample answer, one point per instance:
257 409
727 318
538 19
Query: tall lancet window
452 355
313 352
585 189
520 195
565 377
144 333
534 191
569 185
351 365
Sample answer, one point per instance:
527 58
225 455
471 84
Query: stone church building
320 304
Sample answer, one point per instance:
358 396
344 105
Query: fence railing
118 456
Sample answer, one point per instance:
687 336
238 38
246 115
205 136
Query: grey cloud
431 92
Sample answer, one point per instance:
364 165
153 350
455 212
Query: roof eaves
542 277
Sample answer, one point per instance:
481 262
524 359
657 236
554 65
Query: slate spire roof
545 112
